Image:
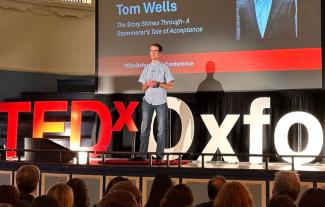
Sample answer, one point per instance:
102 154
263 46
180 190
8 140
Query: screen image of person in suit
268 19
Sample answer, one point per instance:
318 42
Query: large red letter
39 126
13 108
125 116
77 108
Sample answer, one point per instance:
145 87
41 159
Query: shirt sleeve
168 75
142 78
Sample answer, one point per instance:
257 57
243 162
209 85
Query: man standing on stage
156 79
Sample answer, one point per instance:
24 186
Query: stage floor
272 166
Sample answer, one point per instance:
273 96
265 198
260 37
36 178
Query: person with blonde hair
233 194
63 194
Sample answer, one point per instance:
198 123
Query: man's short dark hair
157 45
213 187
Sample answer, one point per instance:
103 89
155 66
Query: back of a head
118 198
281 201
129 187
161 184
233 194
177 196
9 194
45 201
214 186
27 178
286 183
113 182
314 197
80 192
63 194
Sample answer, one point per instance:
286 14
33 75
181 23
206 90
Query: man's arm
167 86
145 86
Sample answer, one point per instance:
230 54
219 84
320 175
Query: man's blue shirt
160 73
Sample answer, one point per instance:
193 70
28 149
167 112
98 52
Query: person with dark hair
63 194
286 183
129 187
161 184
45 201
156 79
214 186
27 179
118 198
314 197
113 182
233 194
9 194
281 201
177 196
80 192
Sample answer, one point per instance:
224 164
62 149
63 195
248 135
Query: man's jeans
161 114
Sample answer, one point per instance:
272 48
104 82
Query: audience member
9 194
45 201
286 183
129 187
159 187
27 179
281 201
113 182
118 198
63 194
214 186
314 197
233 194
80 192
177 196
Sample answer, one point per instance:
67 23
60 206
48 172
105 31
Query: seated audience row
121 192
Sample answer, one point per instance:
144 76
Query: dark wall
12 83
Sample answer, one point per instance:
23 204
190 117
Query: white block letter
256 119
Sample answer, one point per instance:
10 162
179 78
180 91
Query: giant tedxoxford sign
218 131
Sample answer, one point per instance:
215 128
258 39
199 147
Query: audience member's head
9 194
233 194
160 185
129 187
27 178
63 194
214 186
314 197
80 192
118 198
45 201
177 196
286 183
281 201
113 182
